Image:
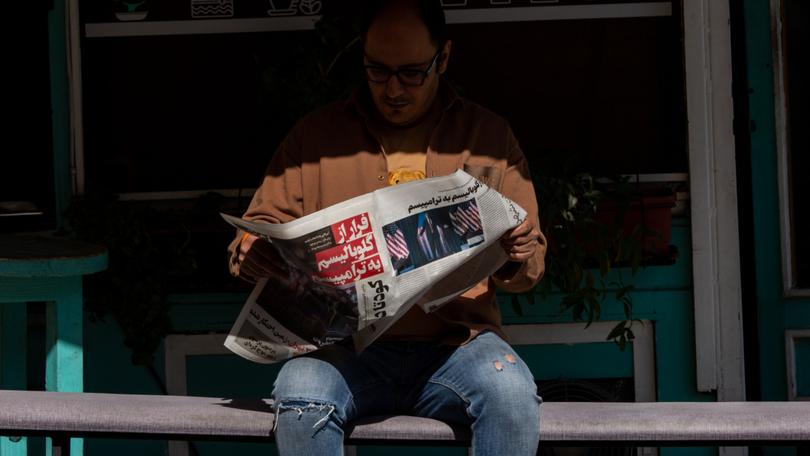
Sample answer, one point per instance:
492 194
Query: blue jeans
482 384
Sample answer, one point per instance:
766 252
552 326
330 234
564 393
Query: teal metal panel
205 311
229 376
797 313
580 361
765 199
13 322
108 362
13 446
675 351
802 365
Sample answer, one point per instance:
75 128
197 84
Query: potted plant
596 225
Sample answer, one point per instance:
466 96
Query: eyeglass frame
391 73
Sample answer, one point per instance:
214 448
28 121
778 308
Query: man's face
402 42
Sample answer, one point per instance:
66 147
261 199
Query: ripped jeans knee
304 412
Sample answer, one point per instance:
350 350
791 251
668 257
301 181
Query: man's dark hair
430 11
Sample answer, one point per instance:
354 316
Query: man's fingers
523 229
522 248
245 245
528 238
521 252
521 242
521 257
524 234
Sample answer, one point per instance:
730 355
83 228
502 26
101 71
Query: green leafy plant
584 249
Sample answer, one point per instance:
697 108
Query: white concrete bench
65 415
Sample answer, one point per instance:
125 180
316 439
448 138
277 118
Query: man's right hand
259 259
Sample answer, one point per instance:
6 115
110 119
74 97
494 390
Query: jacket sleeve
279 198
517 186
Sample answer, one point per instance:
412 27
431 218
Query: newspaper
354 268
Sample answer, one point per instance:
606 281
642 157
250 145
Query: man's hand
520 242
259 259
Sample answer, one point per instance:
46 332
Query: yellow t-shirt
405 150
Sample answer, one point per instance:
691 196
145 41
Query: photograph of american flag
431 235
465 219
397 246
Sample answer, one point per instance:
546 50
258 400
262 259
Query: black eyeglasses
407 76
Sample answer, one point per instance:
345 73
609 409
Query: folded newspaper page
354 268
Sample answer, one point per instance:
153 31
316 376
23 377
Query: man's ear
448 45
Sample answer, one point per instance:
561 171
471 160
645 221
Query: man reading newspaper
406 123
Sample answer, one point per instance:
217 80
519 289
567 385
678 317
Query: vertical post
65 364
712 180
60 446
13 322
59 44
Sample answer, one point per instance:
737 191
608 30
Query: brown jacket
331 155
